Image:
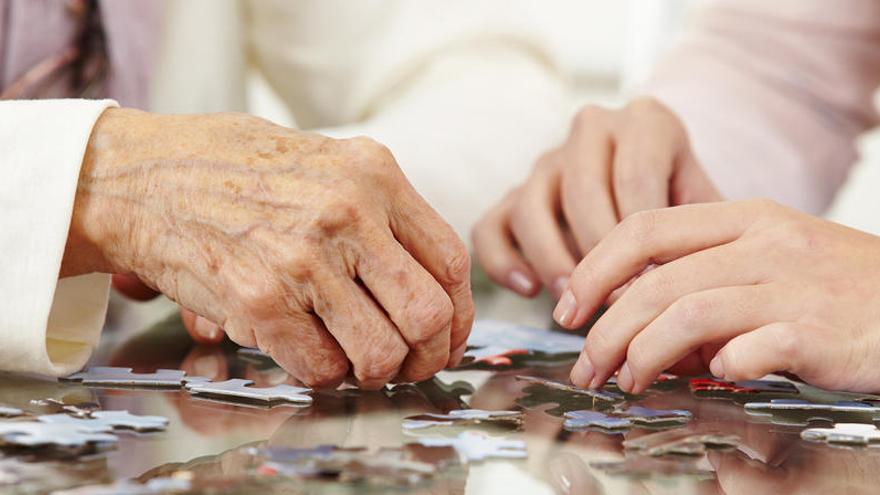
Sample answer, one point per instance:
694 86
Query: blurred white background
607 49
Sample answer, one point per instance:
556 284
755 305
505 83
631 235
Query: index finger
433 243
648 237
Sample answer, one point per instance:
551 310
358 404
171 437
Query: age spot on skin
232 186
339 220
280 145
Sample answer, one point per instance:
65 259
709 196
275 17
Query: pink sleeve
774 94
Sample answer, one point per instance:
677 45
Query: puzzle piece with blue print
625 419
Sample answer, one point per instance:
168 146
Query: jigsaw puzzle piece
685 441
647 416
100 421
494 343
844 433
796 412
36 434
240 389
109 376
463 417
601 395
625 419
475 446
582 420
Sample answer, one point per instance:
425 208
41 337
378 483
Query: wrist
100 237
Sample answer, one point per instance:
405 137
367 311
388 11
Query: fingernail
559 286
582 373
521 283
206 328
208 365
624 378
566 308
716 367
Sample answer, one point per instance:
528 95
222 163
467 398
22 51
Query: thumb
810 352
201 329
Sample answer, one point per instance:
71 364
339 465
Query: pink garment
775 94
35 31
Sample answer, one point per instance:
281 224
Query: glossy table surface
209 441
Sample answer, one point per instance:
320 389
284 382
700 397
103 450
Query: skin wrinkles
265 230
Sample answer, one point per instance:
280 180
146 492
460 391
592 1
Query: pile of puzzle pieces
78 429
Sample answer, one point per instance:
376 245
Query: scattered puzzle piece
33 434
618 420
460 417
844 433
800 412
581 420
100 421
495 342
641 467
706 386
684 441
238 388
476 446
602 395
124 377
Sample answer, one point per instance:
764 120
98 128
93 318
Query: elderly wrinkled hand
742 289
614 163
318 251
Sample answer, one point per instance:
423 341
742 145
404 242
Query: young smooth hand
318 251
742 289
613 164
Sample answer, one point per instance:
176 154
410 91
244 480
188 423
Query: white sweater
47 325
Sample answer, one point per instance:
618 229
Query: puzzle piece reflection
844 433
463 417
625 419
